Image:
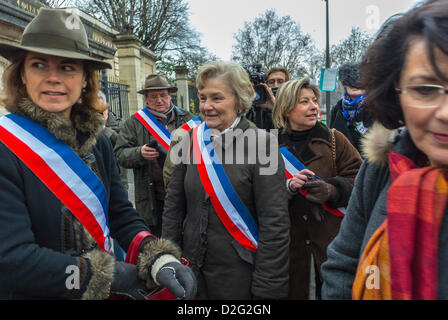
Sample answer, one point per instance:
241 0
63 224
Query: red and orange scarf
404 249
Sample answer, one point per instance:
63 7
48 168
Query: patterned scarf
351 108
403 252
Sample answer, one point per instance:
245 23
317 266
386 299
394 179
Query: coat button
308 242
305 217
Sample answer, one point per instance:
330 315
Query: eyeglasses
155 97
424 95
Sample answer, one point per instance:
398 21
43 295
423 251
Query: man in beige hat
137 148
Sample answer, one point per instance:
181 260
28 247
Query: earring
84 90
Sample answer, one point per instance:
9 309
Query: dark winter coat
308 236
226 269
133 135
40 238
367 211
356 130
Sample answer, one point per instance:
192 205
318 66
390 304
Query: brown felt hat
56 32
157 82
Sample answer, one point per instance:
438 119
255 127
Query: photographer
262 114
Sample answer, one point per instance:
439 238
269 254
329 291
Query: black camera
274 90
257 78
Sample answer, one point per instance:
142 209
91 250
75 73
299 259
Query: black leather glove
126 283
178 279
319 191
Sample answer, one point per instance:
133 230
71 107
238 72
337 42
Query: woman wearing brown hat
62 199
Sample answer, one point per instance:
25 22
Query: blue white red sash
154 127
293 166
157 130
192 123
62 171
229 207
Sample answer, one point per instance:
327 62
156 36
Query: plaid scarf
405 247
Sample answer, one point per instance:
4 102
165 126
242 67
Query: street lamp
327 63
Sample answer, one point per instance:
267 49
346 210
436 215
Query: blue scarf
351 108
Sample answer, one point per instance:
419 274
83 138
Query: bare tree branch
272 41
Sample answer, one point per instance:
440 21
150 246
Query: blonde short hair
287 99
14 90
236 78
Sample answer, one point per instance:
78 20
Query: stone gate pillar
183 99
128 52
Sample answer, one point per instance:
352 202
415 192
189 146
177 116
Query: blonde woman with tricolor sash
226 205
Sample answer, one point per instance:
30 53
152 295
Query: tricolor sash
192 123
226 202
62 171
293 166
154 127
157 130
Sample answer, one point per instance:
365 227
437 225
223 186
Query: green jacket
133 135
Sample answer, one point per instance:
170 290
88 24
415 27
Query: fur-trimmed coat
41 240
308 236
367 210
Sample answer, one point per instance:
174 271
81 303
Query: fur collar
84 121
377 144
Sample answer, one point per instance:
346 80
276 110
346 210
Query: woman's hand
299 179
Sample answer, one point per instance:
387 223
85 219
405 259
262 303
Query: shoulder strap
333 151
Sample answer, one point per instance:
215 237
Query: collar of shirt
216 133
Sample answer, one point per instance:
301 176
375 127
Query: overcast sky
219 20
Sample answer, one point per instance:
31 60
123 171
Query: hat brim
9 50
170 89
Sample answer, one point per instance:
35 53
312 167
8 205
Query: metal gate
116 95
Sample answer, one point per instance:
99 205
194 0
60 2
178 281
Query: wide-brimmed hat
157 82
56 32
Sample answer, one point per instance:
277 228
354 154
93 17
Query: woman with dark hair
61 200
393 241
328 155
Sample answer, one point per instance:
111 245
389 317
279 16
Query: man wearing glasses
275 77
139 149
